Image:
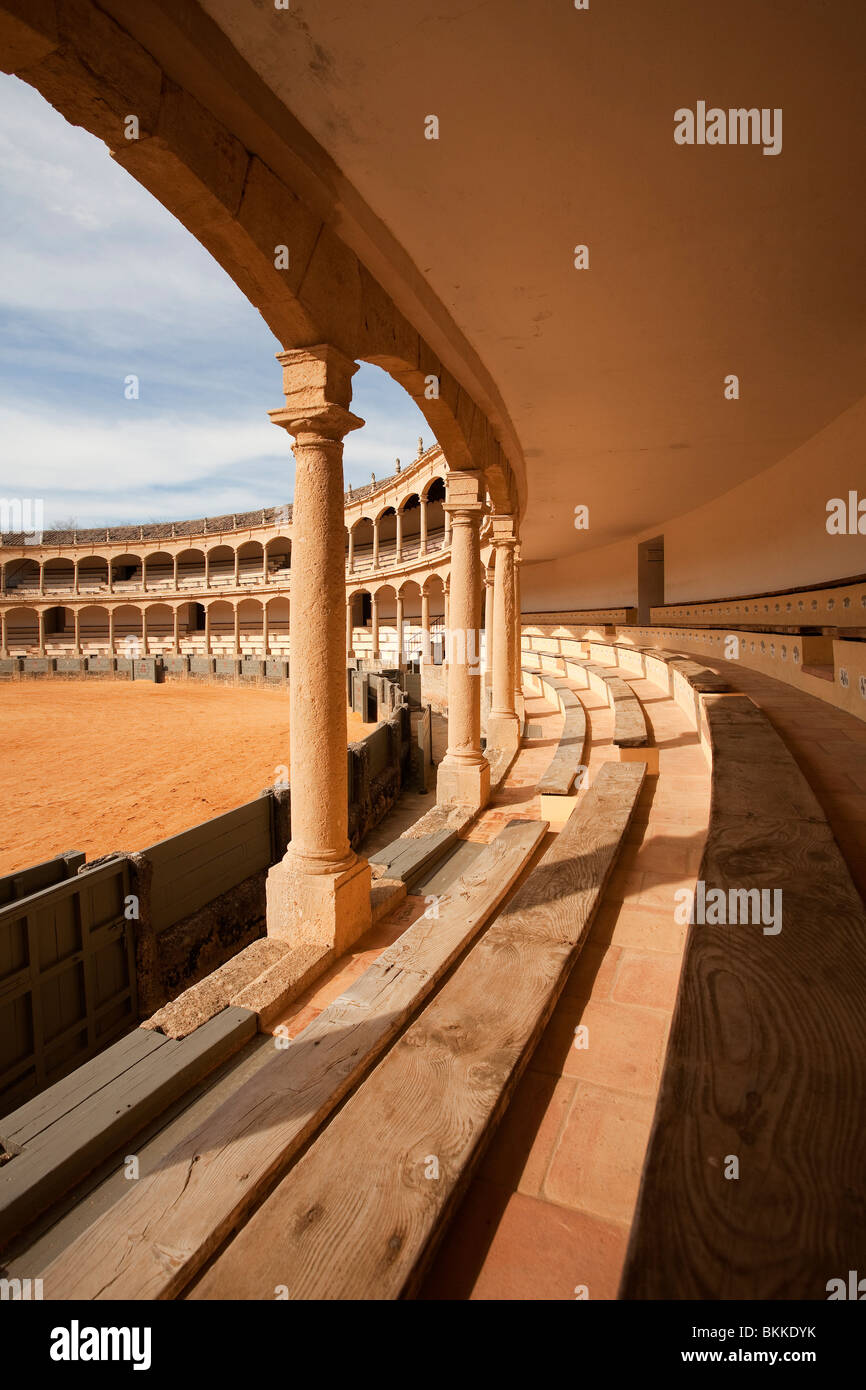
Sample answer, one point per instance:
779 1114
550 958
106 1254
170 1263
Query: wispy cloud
99 281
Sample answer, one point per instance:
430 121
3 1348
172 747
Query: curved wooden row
567 761
754 1184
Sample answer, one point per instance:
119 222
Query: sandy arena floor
118 766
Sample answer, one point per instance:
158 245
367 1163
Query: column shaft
464 775
425 626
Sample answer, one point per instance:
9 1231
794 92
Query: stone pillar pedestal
399 629
374 626
350 649
464 773
319 894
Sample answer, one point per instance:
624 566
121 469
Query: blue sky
99 281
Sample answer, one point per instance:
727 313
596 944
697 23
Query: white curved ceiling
557 128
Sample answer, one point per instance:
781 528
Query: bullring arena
453 887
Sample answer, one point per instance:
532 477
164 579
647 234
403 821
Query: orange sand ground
118 766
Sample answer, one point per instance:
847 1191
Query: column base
331 910
463 783
503 731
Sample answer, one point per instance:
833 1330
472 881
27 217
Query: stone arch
278 558
92 574
191 568
59 573
251 562
93 629
22 575
160 628
242 197
22 630
128 629
126 572
221 613
279 611
362 534
158 570
220 561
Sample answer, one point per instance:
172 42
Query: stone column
446 593
207 569
42 578
41 616
518 642
352 551
177 630
111 651
144 632
425 626
75 577
175 577
503 727
464 774
266 635
207 630
144 573
237 629
238 567
399 555
76 642
399 629
3 577
374 626
319 895
375 545
488 626
350 649
447 535
422 548
4 644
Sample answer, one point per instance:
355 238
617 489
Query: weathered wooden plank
359 1214
153 1242
766 1061
59 1156
559 776
48 1107
407 859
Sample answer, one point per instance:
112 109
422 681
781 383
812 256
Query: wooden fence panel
67 978
193 868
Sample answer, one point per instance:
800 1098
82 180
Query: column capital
465 495
317 385
503 530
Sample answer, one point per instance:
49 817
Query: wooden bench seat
630 729
766 1062
567 761
60 1135
155 1240
360 1214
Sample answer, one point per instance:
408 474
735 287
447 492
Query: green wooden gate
67 978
